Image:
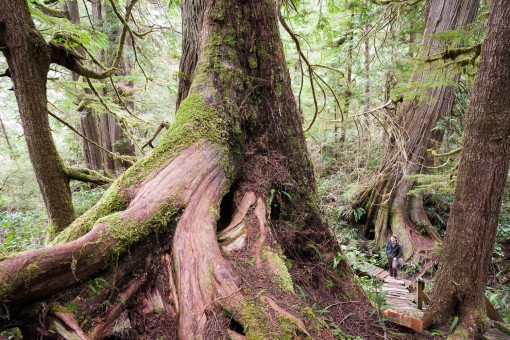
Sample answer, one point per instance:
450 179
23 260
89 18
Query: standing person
394 253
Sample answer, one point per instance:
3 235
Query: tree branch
158 130
127 159
7 73
453 53
434 153
49 11
66 57
87 176
302 55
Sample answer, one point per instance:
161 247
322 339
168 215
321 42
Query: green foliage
454 324
83 200
411 268
349 213
21 231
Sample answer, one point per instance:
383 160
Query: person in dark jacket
394 253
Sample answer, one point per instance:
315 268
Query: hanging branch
300 84
66 57
127 159
312 75
126 28
330 68
453 53
88 16
303 57
125 106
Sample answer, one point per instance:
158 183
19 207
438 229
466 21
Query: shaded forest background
352 75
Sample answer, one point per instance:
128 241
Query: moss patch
278 267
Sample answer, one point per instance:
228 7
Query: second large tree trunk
29 60
467 253
389 208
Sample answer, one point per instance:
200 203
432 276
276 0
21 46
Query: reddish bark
472 226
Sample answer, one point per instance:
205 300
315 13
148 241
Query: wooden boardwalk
404 304
400 303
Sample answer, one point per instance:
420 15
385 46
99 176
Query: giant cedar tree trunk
385 199
462 276
28 59
190 240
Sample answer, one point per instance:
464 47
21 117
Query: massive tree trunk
471 231
29 59
389 208
210 234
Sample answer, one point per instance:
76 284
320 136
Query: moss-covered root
38 273
263 318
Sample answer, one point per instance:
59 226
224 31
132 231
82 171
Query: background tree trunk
460 284
28 58
110 134
385 199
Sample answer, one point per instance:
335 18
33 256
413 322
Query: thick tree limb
49 11
64 56
87 175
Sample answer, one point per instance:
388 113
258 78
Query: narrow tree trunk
385 198
366 73
471 231
89 128
28 58
229 190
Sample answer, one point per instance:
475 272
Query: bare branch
302 55
158 130
7 73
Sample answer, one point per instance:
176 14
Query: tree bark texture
389 208
472 226
28 58
200 229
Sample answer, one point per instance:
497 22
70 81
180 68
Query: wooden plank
503 327
383 275
393 280
404 320
494 334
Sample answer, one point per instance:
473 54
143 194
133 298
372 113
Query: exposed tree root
260 214
234 235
